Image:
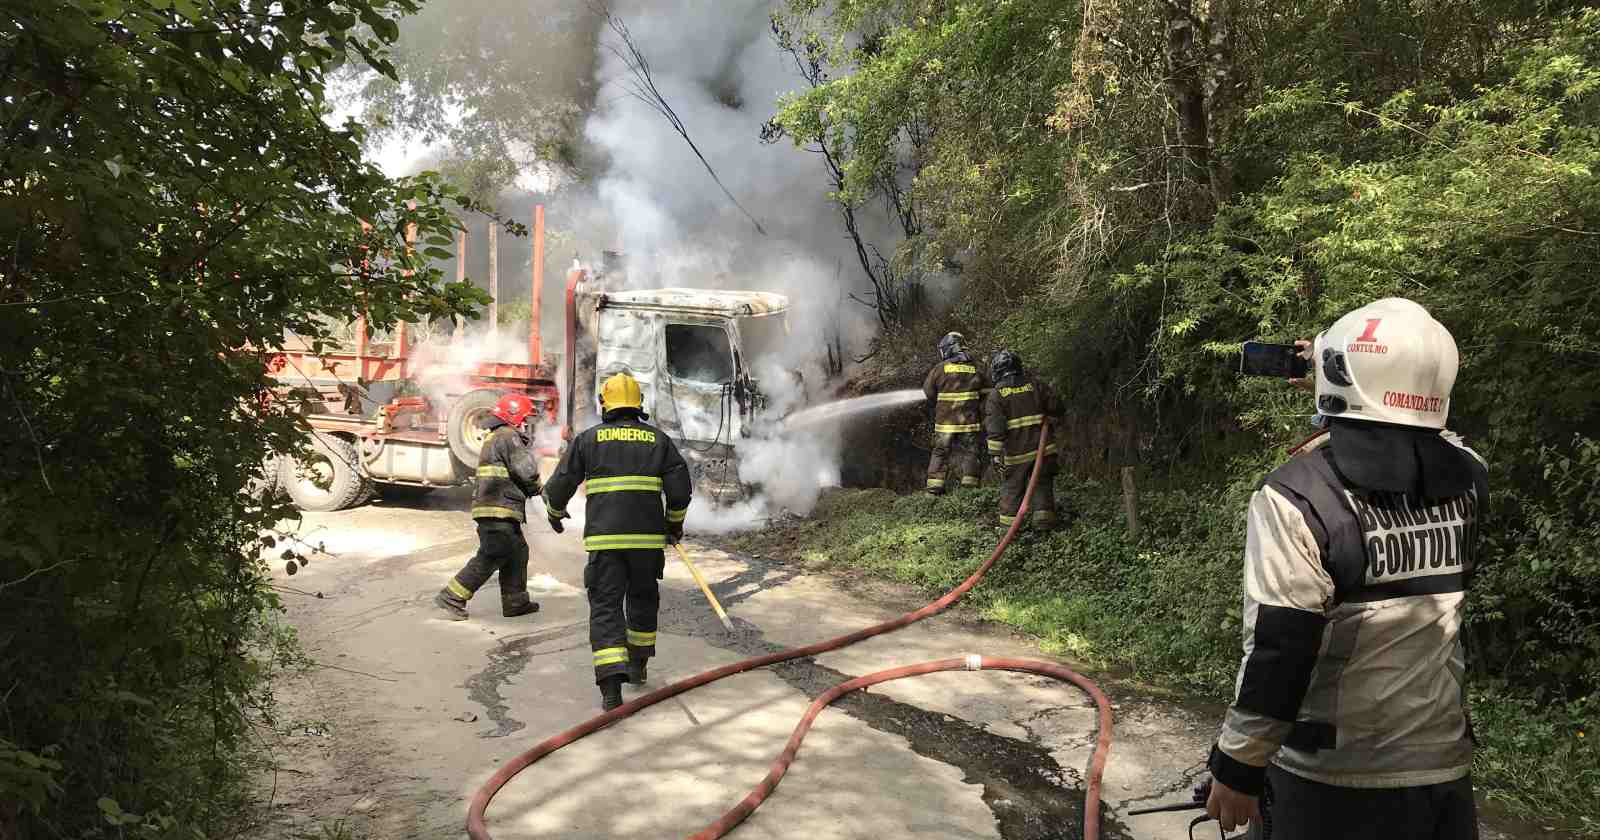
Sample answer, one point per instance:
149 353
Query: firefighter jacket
625 466
507 474
955 386
1353 671
1012 417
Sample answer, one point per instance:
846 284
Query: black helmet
1004 363
951 344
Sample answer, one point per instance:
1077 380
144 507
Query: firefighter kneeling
624 465
1012 418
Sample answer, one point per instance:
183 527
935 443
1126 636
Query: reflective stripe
955 428
677 515
610 656
1024 422
619 542
997 446
458 590
493 512
641 638
1044 516
490 470
935 482
1028 456
959 368
612 484
969 481
958 396
1007 520
549 509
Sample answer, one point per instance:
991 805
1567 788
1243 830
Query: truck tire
266 487
463 429
330 478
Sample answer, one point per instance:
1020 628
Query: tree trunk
1222 81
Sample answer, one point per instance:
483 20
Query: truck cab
686 347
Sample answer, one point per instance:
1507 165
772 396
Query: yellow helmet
621 391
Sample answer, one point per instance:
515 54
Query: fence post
1130 502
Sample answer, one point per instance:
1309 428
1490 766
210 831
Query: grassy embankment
1165 610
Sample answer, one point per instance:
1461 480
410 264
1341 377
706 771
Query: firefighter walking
507 476
625 466
954 388
1013 414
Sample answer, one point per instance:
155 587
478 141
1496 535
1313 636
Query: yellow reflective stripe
958 396
677 515
1024 422
935 482
619 542
1007 520
487 470
615 483
969 481
458 590
997 446
494 512
610 656
641 638
955 428
1044 516
959 368
1028 456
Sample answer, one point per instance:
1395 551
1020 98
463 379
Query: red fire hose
477 830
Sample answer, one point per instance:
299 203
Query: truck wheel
464 427
328 478
266 487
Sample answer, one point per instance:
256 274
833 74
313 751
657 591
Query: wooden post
494 278
1130 502
461 277
536 294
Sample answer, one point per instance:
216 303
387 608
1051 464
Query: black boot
518 605
611 693
455 609
636 671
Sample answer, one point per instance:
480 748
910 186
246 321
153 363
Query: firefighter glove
999 464
674 535
555 525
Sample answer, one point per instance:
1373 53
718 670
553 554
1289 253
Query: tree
171 201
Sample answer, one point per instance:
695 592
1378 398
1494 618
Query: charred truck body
375 428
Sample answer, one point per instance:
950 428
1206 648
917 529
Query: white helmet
1388 362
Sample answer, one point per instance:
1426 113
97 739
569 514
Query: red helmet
513 408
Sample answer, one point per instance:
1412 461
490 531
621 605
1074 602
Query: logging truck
399 417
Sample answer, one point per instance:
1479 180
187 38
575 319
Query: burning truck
396 417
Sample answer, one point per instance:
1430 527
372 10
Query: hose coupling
974 662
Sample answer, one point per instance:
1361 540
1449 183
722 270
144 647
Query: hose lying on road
477 830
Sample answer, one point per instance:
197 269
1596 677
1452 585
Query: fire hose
478 830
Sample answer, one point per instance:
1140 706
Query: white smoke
717 65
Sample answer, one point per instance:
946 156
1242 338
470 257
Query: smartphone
1282 361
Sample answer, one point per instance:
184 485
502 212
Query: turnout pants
1042 508
623 601
1306 810
961 454
501 548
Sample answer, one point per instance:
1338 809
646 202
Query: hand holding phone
1280 361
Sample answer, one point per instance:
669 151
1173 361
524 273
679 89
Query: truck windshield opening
699 352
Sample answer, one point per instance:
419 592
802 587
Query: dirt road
409 714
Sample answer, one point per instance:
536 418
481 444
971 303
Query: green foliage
173 201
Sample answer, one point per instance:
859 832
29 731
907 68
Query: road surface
405 715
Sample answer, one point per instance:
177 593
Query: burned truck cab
684 346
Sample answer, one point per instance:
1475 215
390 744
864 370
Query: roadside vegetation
171 202
1130 189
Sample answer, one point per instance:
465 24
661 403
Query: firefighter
954 388
507 476
1012 417
1349 706
624 465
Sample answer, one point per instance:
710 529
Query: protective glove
555 524
674 536
999 464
